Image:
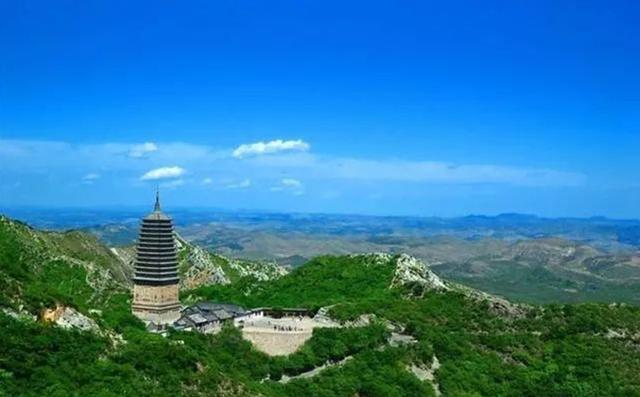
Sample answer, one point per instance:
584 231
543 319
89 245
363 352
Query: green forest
553 350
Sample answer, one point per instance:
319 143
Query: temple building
155 280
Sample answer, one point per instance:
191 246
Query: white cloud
25 157
275 146
163 173
243 184
91 177
140 151
289 184
207 181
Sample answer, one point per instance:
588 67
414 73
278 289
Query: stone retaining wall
276 342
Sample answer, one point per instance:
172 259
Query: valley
523 258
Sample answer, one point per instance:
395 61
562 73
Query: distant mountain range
601 231
521 257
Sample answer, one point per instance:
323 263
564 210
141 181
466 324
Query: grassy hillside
323 281
40 269
553 350
522 258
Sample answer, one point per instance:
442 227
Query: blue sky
361 107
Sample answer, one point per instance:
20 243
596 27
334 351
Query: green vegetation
554 350
324 281
39 269
534 281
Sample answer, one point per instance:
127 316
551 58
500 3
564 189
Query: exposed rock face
262 271
375 258
497 305
19 315
127 256
322 317
410 270
67 317
398 339
201 269
427 373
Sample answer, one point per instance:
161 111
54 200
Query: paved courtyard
280 336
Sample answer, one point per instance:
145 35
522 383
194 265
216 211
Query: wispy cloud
88 179
358 169
243 184
444 172
51 158
163 173
271 147
142 150
207 181
289 184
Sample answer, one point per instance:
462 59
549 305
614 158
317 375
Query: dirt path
315 371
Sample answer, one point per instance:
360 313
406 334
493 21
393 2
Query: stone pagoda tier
155 291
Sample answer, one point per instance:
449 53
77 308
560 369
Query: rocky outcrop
411 271
417 277
18 315
200 269
497 305
408 271
374 258
126 255
322 317
69 318
427 373
261 271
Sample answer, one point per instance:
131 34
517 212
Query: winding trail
315 371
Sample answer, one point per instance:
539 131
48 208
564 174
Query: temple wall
155 295
164 317
158 304
277 342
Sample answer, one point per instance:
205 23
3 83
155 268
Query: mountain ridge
398 319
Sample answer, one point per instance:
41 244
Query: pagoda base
156 304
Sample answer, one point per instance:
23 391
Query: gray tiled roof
197 318
206 312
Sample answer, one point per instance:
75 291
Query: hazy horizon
142 209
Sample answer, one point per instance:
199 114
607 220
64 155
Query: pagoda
155 280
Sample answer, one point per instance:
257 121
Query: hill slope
411 334
44 269
521 258
38 269
544 271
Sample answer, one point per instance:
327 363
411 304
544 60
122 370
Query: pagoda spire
156 207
